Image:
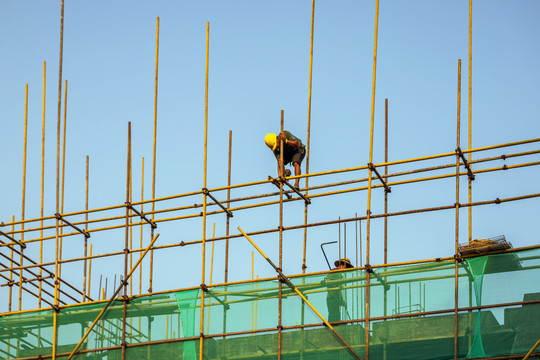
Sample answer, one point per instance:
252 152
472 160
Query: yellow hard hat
271 141
344 261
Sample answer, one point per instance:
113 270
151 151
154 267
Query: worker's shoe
287 172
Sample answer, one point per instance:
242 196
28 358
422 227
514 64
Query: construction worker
294 151
334 298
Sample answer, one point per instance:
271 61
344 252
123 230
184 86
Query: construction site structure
483 301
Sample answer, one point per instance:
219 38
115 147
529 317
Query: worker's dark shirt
290 151
334 299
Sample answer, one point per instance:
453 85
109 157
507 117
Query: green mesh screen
418 299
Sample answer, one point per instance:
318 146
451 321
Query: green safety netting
420 299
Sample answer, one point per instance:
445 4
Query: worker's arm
294 143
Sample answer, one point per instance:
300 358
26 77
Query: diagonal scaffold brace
276 182
84 232
372 167
122 284
10 246
214 296
12 239
207 193
306 199
286 280
465 163
141 215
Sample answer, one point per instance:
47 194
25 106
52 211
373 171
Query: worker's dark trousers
333 310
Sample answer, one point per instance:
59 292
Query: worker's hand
281 136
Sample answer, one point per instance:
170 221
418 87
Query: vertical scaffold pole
304 266
470 115
228 207
457 213
90 271
63 178
56 282
385 177
201 342
23 191
227 224
42 183
85 294
130 223
11 264
126 242
385 223
141 226
368 211
308 133
281 172
154 153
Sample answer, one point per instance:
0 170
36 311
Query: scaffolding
171 323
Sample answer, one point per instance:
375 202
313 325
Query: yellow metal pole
64 148
368 211
252 278
280 286
457 214
470 114
23 189
211 273
295 289
532 349
11 265
112 297
154 152
90 272
86 226
42 179
141 226
308 133
201 340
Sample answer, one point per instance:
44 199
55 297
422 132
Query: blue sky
259 62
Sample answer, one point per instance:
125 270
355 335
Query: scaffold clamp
207 193
141 215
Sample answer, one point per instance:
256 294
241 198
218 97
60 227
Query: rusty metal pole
126 242
227 235
154 153
457 214
280 300
63 178
228 207
56 282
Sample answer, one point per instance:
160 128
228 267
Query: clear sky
259 65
